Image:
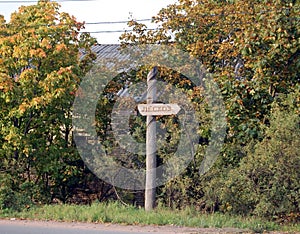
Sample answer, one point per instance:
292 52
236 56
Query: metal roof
113 52
109 51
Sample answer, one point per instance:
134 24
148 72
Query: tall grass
114 212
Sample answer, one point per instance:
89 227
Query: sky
100 11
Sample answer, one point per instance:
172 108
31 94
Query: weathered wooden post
150 190
152 109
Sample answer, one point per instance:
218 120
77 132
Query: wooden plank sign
158 109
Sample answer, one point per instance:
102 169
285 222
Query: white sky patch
103 11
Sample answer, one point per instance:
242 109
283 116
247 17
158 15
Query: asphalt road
16 229
49 227
27 227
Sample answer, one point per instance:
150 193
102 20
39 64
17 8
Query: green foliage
252 50
266 183
12 198
40 71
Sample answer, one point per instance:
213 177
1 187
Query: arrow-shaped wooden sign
158 109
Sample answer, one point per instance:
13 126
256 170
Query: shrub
12 198
267 181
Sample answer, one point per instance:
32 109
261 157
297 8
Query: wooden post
150 190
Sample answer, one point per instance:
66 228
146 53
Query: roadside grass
114 212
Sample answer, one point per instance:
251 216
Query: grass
117 213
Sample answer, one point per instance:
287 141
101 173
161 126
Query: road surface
49 227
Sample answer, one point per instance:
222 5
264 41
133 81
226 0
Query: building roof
112 52
109 51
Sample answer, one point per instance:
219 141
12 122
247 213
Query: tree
40 70
252 50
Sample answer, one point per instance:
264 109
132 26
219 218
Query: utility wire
143 20
144 29
105 22
150 29
120 31
117 22
95 23
184 27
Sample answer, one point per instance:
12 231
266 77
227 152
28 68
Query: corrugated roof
109 51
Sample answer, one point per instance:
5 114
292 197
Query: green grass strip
114 212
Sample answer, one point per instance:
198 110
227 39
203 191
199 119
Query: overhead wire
119 31
96 23
88 23
136 20
117 22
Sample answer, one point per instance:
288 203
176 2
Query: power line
142 20
159 28
120 31
91 23
131 30
204 15
117 22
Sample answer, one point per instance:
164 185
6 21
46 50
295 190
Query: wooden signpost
151 109
158 109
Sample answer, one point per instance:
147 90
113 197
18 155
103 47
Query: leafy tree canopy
251 48
40 70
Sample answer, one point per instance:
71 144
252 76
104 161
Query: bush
267 181
11 198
